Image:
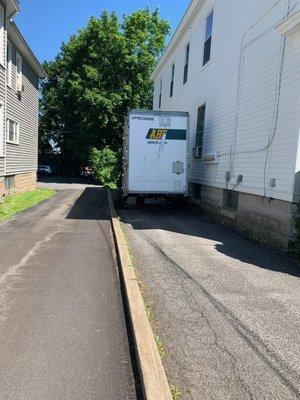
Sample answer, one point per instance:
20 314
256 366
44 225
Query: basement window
197 191
9 182
230 200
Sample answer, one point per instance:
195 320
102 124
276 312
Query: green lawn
15 204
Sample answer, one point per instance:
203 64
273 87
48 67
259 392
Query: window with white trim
172 80
9 64
208 37
186 64
2 34
19 77
200 131
12 131
1 128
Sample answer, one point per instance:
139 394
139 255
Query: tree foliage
104 165
98 75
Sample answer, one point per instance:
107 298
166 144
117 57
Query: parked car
45 170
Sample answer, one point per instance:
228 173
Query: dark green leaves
98 75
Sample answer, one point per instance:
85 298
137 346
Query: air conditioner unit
197 152
20 87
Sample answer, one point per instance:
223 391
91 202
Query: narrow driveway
62 327
227 309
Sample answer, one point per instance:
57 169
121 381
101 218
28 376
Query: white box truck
155 154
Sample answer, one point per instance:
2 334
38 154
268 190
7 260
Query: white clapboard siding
254 71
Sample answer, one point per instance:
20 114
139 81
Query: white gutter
12 8
290 26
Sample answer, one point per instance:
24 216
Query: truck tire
140 201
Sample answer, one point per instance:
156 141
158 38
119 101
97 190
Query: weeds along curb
152 374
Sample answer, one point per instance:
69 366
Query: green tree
98 75
104 164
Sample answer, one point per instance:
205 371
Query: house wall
19 159
251 67
267 220
22 157
2 99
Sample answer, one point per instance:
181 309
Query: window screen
208 38
186 65
172 80
200 129
160 93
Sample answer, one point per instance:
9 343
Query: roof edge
25 49
186 20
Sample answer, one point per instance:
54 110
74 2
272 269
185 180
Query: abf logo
169 134
156 134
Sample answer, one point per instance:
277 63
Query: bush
105 167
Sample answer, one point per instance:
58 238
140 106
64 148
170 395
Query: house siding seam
217 84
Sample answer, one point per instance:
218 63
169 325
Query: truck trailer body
156 154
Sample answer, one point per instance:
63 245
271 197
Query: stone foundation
1 189
266 220
26 182
22 183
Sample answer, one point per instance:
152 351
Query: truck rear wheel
177 202
140 201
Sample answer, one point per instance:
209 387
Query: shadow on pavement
84 180
229 243
91 205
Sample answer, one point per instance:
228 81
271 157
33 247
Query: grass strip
15 204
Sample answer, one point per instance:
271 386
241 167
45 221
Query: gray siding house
20 72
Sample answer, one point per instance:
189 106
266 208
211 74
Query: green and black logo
171 134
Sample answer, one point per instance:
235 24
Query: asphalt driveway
62 326
227 309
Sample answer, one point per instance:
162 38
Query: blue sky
47 23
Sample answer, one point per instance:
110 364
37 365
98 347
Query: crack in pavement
218 344
14 270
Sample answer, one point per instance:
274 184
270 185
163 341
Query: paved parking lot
227 309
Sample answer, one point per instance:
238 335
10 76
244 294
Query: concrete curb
153 377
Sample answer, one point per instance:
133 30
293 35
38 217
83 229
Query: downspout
277 103
233 151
